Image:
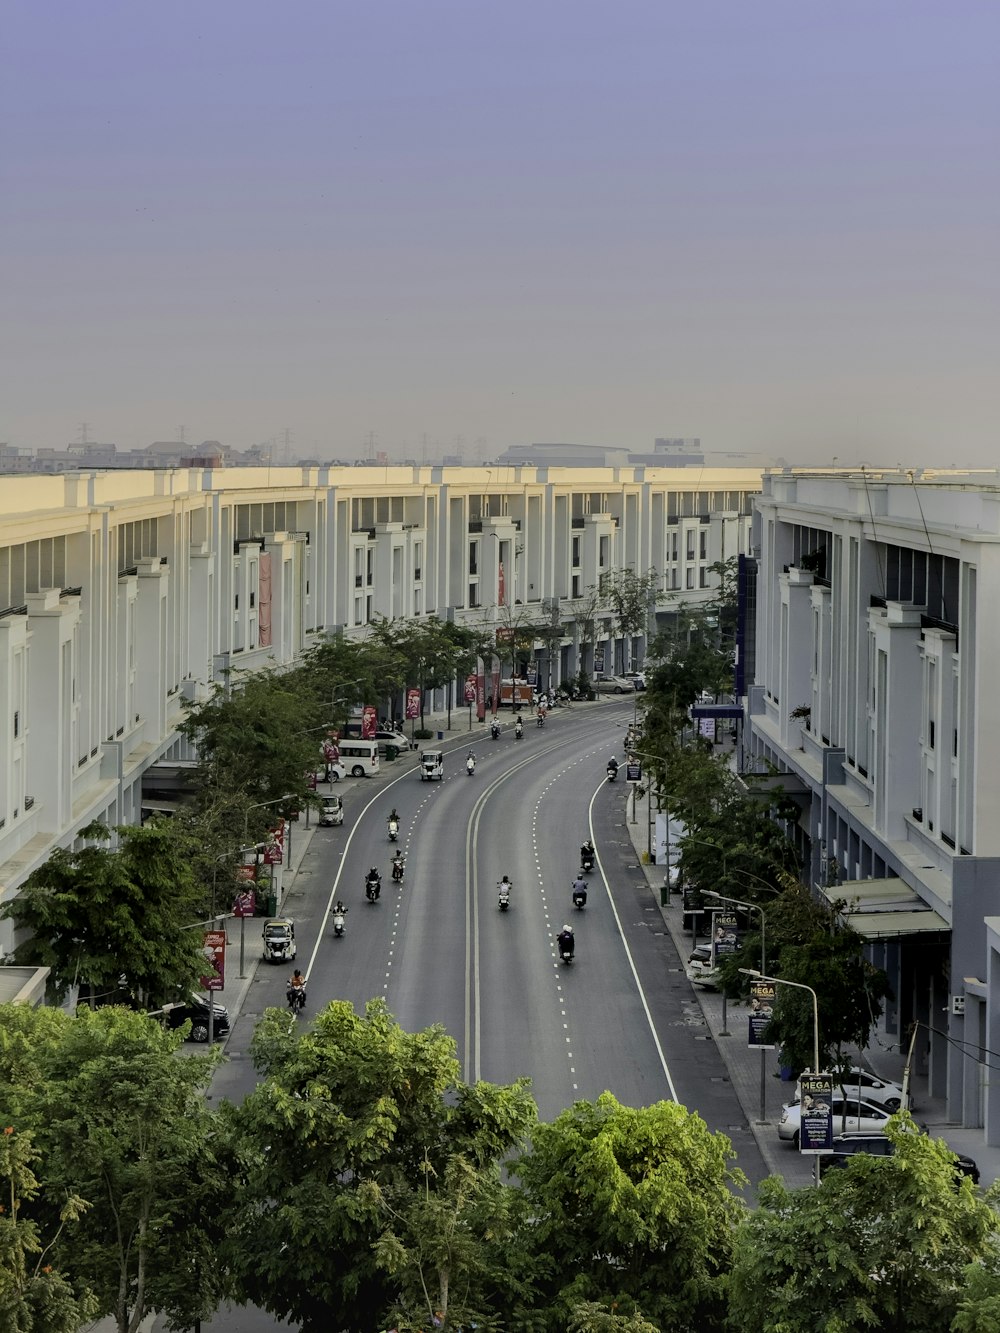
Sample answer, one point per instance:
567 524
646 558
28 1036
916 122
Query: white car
610 684
336 772
638 679
850 1117
396 738
862 1083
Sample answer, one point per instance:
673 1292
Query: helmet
567 931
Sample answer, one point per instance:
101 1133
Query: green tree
34 1296
121 1122
632 1209
97 915
369 1173
882 1244
631 599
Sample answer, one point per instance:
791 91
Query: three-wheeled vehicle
331 812
279 939
432 765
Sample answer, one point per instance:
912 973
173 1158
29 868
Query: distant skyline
774 227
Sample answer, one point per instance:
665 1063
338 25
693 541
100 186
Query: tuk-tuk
279 939
432 765
331 812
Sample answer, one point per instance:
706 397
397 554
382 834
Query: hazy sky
774 224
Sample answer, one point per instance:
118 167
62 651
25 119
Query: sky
452 226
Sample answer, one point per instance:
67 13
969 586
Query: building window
576 552
473 594
576 585
702 546
690 546
473 557
689 579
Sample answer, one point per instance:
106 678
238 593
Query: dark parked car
846 1146
196 1009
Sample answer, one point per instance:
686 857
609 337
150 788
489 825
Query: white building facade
877 659
124 594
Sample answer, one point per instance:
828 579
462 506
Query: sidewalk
728 1026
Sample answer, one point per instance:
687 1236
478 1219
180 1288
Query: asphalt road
622 1017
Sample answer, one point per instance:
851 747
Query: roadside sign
214 949
815 1114
762 995
245 904
633 772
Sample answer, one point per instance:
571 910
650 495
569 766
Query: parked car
849 1117
862 1084
700 970
195 1008
609 684
846 1146
638 679
388 738
336 771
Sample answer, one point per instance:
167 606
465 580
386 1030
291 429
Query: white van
360 758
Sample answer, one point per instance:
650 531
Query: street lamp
796 985
749 907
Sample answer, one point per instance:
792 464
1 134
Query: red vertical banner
470 688
264 602
412 704
369 722
481 695
495 684
501 586
215 954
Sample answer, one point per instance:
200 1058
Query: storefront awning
878 908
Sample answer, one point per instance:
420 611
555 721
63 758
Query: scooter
503 895
470 765
540 720
518 731
373 887
393 829
586 862
579 897
296 996
565 952
338 923
612 772
397 871
495 730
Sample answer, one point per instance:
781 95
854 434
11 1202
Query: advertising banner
531 675
369 722
693 902
633 772
815 1115
599 658
470 688
761 1011
330 751
214 949
412 704
481 693
495 686
245 904
726 932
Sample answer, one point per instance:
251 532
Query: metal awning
878 908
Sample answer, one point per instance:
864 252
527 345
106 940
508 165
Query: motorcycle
296 996
566 950
503 895
518 731
612 772
579 896
393 829
338 924
495 730
470 765
373 887
540 720
586 861
397 871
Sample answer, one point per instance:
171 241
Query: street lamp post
750 907
796 985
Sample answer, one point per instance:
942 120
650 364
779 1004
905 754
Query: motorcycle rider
398 865
296 993
373 881
518 728
579 890
587 852
470 763
505 885
566 941
612 768
393 823
495 730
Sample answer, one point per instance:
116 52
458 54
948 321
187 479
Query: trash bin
440 735
392 752
665 893
272 904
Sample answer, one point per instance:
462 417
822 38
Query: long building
875 700
125 594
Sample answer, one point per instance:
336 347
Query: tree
34 1296
633 1209
122 1123
369 1174
113 920
631 599
882 1244
258 734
